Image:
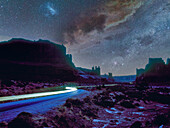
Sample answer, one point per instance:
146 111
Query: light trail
27 96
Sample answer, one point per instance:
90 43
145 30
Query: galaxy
48 9
118 35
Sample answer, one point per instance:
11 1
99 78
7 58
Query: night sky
118 35
35 19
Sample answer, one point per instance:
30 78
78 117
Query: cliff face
157 74
42 60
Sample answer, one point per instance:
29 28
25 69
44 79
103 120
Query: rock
75 120
45 124
23 120
127 119
4 92
7 83
136 124
104 101
73 102
119 94
160 98
127 104
30 60
112 122
148 124
137 104
89 111
112 94
3 124
87 100
161 119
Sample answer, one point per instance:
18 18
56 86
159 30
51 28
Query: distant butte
35 60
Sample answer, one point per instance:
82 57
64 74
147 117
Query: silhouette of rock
136 124
23 120
73 102
3 124
35 60
103 100
127 104
156 71
161 119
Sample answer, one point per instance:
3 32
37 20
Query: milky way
118 35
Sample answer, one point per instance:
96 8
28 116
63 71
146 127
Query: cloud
129 44
93 23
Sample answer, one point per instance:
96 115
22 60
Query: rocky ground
12 87
117 106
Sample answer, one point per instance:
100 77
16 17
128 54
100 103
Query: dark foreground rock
127 104
3 124
136 124
23 120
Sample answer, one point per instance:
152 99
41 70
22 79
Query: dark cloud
146 40
92 23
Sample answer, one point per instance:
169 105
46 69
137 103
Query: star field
117 36
36 19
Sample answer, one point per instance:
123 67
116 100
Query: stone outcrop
35 60
156 71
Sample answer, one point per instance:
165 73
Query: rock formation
35 60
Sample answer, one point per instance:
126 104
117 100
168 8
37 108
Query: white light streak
27 96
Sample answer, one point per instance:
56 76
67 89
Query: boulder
3 124
127 104
23 120
104 101
136 124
